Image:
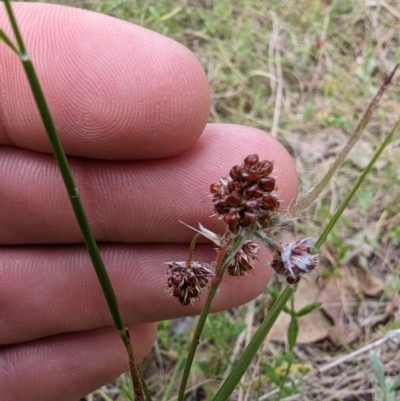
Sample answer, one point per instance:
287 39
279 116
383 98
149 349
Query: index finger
115 90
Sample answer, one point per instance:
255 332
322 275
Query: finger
115 90
68 366
139 201
61 292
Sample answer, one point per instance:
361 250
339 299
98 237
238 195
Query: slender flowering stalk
187 279
247 202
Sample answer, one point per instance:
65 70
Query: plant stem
76 203
289 364
191 249
241 366
136 376
224 257
354 137
172 380
359 181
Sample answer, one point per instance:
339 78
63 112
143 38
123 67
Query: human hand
131 108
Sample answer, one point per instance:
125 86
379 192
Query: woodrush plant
247 201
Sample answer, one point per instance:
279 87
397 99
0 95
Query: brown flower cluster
187 280
246 198
294 259
244 259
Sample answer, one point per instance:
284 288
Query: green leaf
377 367
288 357
395 385
270 372
287 390
293 331
153 11
273 292
309 308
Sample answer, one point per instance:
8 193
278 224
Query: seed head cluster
186 280
244 259
246 199
294 259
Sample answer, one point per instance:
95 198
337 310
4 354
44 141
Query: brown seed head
186 280
293 260
244 259
245 199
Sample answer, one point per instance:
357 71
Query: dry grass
303 71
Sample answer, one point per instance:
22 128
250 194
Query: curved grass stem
354 137
359 181
74 197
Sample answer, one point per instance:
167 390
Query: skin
131 108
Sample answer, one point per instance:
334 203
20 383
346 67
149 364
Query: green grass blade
14 26
7 41
69 182
241 366
354 137
177 368
293 332
359 181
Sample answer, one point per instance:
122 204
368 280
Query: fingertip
115 90
85 361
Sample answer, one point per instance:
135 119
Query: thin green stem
192 246
224 257
75 200
289 364
13 22
354 137
241 366
359 181
8 42
172 380
283 381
